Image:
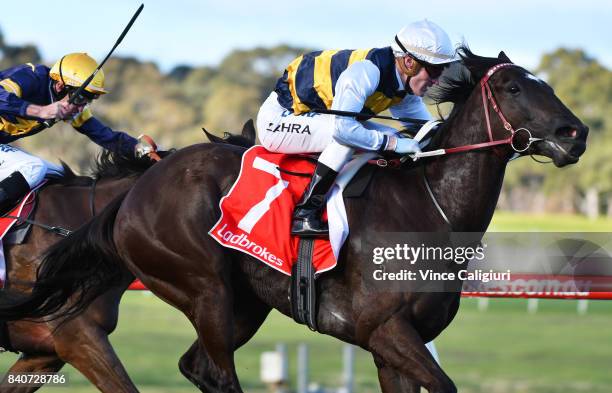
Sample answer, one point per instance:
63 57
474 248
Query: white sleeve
354 86
411 106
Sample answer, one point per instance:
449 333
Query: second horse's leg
32 363
83 343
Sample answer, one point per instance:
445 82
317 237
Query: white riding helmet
426 41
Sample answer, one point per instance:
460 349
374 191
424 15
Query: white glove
145 146
407 145
142 149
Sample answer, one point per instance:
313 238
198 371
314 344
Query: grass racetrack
503 349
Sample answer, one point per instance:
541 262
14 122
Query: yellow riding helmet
74 68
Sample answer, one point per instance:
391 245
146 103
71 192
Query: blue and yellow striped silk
309 81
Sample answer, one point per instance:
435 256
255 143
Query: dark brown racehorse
69 202
159 232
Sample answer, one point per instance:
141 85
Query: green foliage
12 55
583 84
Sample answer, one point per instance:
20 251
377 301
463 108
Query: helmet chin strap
409 72
58 95
60 70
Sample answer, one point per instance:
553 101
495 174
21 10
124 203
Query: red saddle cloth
22 210
256 213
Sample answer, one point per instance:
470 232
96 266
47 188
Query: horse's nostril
567 132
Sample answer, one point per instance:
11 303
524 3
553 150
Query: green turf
501 350
513 222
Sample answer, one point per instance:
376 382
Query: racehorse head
516 106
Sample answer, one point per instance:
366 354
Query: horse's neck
467 185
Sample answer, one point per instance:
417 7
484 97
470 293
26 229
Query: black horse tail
73 273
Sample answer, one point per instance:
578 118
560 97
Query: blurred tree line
172 107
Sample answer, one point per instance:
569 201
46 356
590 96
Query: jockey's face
421 82
62 90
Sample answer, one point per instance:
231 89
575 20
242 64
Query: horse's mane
457 83
116 165
108 164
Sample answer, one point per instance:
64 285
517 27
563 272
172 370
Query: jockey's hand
146 147
141 150
60 110
407 145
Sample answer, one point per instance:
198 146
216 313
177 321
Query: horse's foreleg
28 363
391 381
397 345
87 349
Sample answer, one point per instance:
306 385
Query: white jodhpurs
31 167
279 130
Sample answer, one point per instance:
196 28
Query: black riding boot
11 189
307 220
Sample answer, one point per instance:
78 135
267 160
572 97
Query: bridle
488 100
487 95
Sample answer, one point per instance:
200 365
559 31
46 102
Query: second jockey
31 94
368 81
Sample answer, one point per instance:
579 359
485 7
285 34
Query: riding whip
363 115
77 93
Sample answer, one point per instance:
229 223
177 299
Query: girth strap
303 289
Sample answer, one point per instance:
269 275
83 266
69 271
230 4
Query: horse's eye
514 89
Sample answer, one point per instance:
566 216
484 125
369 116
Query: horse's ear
248 130
212 138
502 56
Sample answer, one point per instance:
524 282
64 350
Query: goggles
433 70
84 97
